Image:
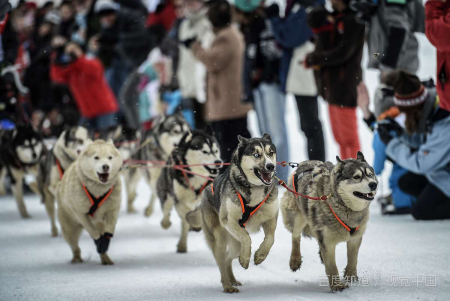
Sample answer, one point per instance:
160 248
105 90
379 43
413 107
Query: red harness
199 192
96 202
323 198
61 171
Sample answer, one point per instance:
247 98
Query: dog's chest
188 195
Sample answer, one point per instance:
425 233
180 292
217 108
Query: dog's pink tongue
266 176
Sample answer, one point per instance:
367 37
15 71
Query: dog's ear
118 132
360 157
188 136
267 137
242 140
209 130
339 160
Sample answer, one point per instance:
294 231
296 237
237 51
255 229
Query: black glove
103 243
188 42
389 128
392 125
273 11
5 7
385 135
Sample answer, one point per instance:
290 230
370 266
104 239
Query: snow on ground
395 250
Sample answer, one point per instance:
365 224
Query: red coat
85 78
438 32
166 17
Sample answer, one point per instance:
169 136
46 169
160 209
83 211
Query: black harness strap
247 211
96 202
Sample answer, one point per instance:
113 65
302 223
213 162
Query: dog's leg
87 224
49 201
152 177
17 189
219 248
71 232
233 252
182 211
131 181
296 258
167 206
350 272
244 238
327 252
269 232
2 181
151 204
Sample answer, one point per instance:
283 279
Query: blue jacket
290 33
432 157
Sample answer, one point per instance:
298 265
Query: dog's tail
194 218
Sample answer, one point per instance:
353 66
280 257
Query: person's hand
363 100
389 129
73 48
103 243
188 42
58 41
385 134
273 11
5 7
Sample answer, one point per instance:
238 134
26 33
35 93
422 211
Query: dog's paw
236 283
295 263
148 211
54 232
76 259
181 248
260 256
338 286
106 260
350 275
25 215
165 224
230 290
244 262
131 209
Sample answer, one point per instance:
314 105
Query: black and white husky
182 189
156 146
66 150
21 150
240 202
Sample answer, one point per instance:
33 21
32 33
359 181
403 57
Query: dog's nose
218 163
270 167
105 168
373 186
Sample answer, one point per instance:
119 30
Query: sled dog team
325 201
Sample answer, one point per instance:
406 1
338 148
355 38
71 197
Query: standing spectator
261 75
191 73
224 62
438 32
67 25
339 74
391 35
423 149
85 78
293 34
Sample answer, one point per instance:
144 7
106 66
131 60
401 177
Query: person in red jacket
85 78
437 29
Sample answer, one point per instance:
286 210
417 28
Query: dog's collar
96 202
295 186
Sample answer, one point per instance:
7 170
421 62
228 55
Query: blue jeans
100 122
269 103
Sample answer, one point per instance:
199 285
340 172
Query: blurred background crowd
102 62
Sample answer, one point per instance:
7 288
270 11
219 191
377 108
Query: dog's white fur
73 203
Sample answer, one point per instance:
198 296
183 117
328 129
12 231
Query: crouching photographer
422 148
85 78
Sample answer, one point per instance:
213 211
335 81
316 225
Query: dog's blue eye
256 155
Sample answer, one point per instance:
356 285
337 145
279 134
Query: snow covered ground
400 259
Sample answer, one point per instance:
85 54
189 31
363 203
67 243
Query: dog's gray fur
314 218
196 147
219 214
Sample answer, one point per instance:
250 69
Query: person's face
44 29
66 12
107 21
192 6
338 5
179 8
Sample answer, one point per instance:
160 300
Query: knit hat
247 6
409 91
105 6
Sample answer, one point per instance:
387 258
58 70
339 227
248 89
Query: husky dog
127 141
183 189
89 197
239 202
68 147
341 215
157 144
21 150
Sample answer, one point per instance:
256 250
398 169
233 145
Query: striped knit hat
409 91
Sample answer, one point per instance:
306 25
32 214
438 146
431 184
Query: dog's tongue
103 177
266 176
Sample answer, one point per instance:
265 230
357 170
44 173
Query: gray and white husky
66 150
156 145
241 201
127 141
350 186
182 189
21 150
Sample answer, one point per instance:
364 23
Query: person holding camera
422 148
85 79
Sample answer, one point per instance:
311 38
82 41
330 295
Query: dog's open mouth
103 177
213 171
265 177
367 196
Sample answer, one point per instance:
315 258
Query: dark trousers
310 124
226 132
431 203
